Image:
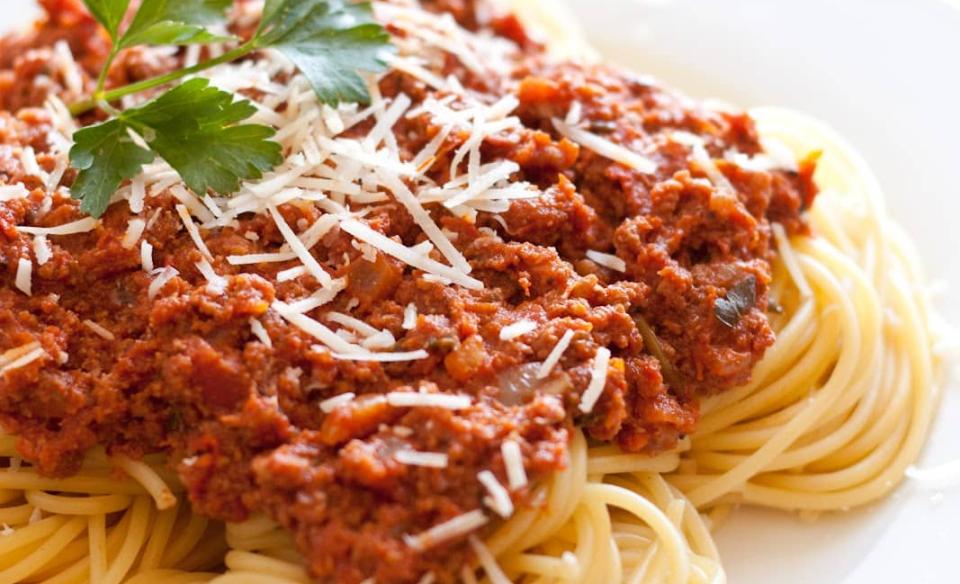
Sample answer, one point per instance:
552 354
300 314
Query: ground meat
184 373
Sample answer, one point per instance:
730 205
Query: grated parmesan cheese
410 317
291 274
134 232
457 527
316 330
13 192
260 331
513 461
328 405
82 226
146 256
162 276
425 459
216 284
383 357
41 249
517 329
354 324
99 330
605 147
260 258
412 399
301 251
499 499
607 260
20 357
555 354
193 231
403 253
138 193
598 380
24 277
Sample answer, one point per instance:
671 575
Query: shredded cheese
13 192
605 147
20 357
317 330
82 226
513 462
607 260
138 193
24 277
330 404
403 253
425 222
499 499
260 331
99 330
555 354
146 256
134 232
354 324
162 276
291 274
192 203
425 459
301 251
41 249
452 529
517 329
383 357
260 258
193 231
412 399
409 317
216 284
598 380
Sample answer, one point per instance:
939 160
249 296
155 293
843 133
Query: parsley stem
105 71
84 106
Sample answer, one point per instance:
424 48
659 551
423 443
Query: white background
886 73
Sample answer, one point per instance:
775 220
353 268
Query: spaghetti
833 415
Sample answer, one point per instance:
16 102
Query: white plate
884 73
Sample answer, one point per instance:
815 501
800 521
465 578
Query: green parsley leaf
109 13
175 22
739 299
105 155
194 127
329 41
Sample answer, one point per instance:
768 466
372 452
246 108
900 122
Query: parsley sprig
194 127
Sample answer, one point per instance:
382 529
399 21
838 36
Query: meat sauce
184 374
